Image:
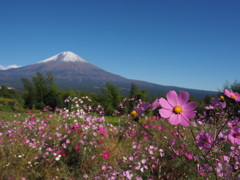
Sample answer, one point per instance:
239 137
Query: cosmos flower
234 135
142 108
177 108
217 103
106 155
204 141
233 95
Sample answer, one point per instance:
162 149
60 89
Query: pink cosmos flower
102 132
233 95
106 155
30 111
177 108
204 141
234 135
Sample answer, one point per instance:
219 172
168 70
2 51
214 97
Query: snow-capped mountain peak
9 67
66 56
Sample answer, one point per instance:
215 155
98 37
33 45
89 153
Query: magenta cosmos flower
233 95
234 135
177 108
204 141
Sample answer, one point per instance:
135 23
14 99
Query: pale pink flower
177 108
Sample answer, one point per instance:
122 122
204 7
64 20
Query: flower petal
226 92
183 98
172 98
166 113
165 104
155 104
189 114
174 119
189 106
184 120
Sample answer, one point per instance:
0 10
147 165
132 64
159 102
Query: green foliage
7 93
9 105
41 91
29 93
137 93
110 98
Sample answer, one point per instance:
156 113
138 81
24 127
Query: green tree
136 92
29 93
235 86
110 98
133 91
42 91
7 93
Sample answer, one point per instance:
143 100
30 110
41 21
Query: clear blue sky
188 43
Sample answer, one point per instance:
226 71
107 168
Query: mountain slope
72 71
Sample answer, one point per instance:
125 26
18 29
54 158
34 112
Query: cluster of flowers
217 136
77 142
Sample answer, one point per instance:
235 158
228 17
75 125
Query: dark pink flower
30 111
233 95
106 155
102 132
177 108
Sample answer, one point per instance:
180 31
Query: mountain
74 72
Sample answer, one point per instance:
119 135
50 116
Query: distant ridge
73 72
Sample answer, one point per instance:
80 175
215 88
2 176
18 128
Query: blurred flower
234 123
102 132
233 95
204 141
85 176
30 111
58 158
177 108
106 155
134 113
155 104
217 103
142 107
234 135
79 131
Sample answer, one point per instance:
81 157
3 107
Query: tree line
41 90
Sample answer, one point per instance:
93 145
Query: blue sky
188 43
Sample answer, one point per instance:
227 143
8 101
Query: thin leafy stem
215 139
204 155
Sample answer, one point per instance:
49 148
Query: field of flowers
167 139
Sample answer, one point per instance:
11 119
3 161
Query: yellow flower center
177 109
134 113
222 97
233 96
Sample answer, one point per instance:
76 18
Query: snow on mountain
66 56
8 67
